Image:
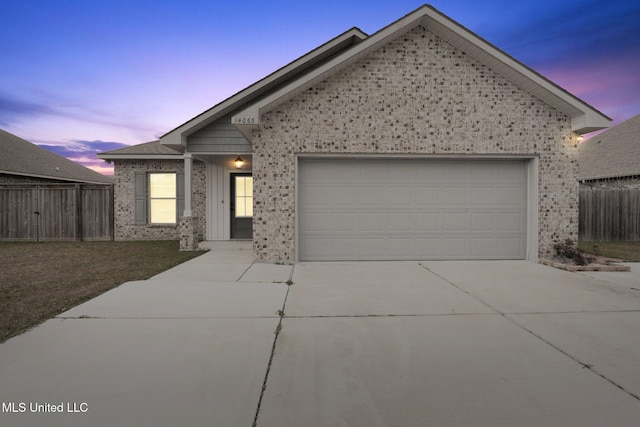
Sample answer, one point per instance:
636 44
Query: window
159 197
162 198
244 196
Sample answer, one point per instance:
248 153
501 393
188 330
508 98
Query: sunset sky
81 77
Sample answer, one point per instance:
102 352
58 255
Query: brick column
188 238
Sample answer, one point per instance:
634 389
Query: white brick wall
418 94
124 215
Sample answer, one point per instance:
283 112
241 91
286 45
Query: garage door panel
427 248
483 173
428 195
510 247
372 222
373 248
511 222
318 222
373 196
455 221
401 247
388 209
510 196
455 195
483 196
427 222
483 221
345 221
400 222
454 248
483 247
454 172
344 248
345 196
315 196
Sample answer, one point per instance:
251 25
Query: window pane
240 184
163 211
249 186
244 196
162 185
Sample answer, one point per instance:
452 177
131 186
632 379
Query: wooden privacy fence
609 214
56 212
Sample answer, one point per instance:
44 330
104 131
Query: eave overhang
112 157
52 177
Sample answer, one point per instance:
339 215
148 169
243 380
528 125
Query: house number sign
244 120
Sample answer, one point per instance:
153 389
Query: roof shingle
613 153
21 157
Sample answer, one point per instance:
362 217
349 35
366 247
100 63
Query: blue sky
81 77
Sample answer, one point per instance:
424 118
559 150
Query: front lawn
41 280
627 251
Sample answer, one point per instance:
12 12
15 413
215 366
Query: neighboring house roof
23 158
353 45
147 150
614 153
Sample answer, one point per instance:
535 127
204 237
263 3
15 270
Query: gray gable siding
218 137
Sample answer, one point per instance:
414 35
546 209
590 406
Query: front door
241 206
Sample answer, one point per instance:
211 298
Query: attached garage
411 209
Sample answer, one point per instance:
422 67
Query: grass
626 251
41 280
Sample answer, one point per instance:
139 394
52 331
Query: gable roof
337 54
22 158
176 138
584 118
147 150
614 153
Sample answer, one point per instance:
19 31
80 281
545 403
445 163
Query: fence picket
56 212
609 214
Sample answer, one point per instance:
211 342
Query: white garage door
401 209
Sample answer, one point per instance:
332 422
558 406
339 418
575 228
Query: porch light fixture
580 138
239 162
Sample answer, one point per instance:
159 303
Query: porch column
187 223
188 177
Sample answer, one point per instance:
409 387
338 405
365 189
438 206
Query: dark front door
241 206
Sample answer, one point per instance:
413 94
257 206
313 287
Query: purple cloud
84 153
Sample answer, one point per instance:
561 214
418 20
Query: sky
80 77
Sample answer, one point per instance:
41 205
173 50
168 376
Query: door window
244 196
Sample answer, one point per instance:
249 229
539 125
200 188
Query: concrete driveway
499 343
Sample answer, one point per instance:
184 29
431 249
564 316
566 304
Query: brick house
421 141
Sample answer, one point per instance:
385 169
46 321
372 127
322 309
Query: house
22 162
44 196
611 159
421 141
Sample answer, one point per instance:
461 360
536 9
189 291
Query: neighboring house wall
6 179
420 95
124 204
612 183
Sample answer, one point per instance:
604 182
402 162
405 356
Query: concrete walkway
222 341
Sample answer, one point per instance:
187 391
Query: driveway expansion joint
281 313
547 342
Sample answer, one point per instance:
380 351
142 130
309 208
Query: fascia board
57 178
140 156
